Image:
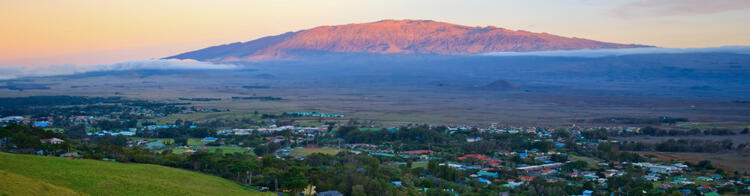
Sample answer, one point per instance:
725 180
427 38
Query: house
70 155
488 174
679 178
155 145
41 124
417 152
540 167
548 171
53 141
512 184
706 188
209 139
526 178
126 133
473 139
452 165
330 193
651 177
485 159
482 180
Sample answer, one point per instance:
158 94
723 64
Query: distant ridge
394 37
500 85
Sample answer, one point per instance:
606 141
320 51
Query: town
312 153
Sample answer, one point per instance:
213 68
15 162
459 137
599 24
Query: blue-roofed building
396 183
210 139
488 174
523 155
41 124
383 154
155 145
330 193
484 181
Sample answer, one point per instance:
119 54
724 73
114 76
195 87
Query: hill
500 85
394 37
39 175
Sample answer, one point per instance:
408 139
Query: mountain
394 37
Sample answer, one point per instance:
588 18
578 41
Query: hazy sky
44 32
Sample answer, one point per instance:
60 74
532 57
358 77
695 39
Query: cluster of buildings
37 122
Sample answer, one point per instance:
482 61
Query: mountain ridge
394 37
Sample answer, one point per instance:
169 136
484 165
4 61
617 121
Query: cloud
679 7
627 51
12 72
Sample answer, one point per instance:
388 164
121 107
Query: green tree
294 180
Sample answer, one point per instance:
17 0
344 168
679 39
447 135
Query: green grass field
195 142
309 151
39 175
422 164
225 149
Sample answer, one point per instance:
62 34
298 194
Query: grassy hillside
38 175
15 184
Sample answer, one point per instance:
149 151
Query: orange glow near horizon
44 32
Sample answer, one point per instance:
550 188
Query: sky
82 32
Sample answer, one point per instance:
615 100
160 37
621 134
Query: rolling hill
39 175
394 37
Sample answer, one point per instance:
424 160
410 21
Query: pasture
91 177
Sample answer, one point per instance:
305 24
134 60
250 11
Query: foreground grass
15 184
60 176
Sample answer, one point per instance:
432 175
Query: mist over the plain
12 72
627 51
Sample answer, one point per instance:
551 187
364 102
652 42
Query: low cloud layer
627 51
680 7
171 64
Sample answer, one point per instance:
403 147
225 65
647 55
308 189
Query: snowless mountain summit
394 37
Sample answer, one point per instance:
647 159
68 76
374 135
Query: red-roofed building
485 159
548 171
526 178
707 188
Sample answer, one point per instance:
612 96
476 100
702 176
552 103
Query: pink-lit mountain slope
394 37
